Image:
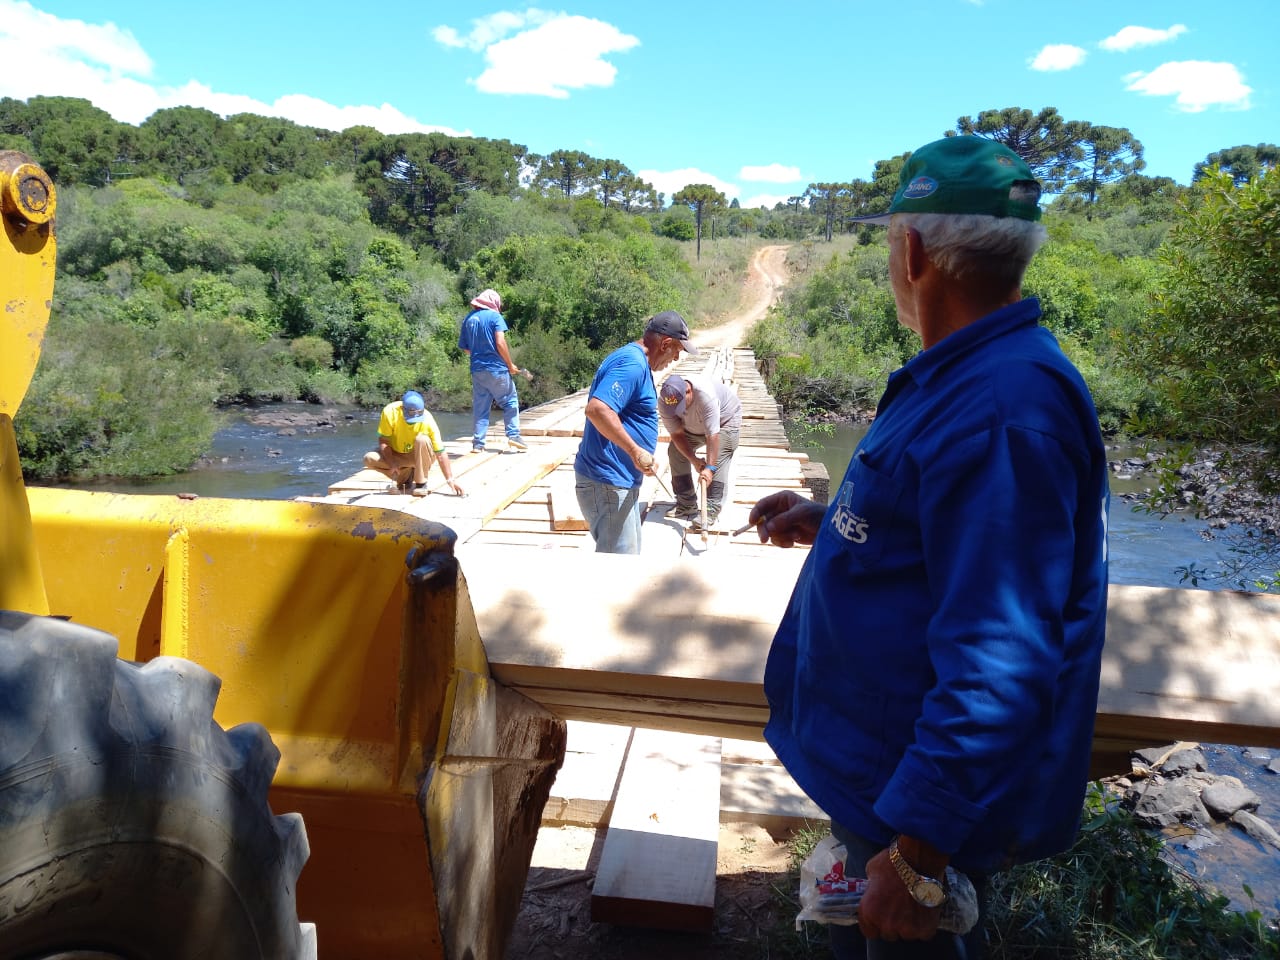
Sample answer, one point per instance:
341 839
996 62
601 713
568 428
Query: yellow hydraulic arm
27 258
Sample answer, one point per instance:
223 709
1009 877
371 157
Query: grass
722 274
1112 896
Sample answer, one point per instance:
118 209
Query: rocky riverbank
1202 488
1218 809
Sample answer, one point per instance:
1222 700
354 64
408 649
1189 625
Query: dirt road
766 276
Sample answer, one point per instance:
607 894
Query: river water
249 460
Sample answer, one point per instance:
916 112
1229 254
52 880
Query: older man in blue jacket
944 638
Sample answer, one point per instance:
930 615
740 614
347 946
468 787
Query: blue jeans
488 388
612 514
848 943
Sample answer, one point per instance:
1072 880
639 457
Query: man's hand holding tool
785 518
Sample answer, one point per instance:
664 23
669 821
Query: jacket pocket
862 519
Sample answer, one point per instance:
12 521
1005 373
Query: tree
702 199
1212 344
610 181
413 179
181 141
268 151
570 172
635 195
1243 163
1050 145
830 201
72 139
1109 154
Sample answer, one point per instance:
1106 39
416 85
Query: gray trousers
683 482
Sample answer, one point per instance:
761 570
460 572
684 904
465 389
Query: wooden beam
563 501
658 865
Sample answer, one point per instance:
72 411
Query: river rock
1179 761
1165 802
1226 795
1256 827
307 420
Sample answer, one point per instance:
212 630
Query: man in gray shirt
699 414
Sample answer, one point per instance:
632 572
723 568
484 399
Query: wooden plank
1193 660
658 865
765 794
588 778
563 501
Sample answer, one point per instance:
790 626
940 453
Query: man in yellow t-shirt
407 440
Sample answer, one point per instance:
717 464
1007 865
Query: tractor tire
131 824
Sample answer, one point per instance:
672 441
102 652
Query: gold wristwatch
926 891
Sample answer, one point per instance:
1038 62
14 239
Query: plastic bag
828 896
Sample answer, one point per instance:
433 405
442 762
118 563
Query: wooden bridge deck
677 638
527 499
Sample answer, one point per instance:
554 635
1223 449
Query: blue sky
757 97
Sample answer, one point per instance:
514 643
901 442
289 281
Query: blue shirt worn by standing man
483 337
625 383
477 336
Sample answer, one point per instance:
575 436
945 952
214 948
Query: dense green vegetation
206 260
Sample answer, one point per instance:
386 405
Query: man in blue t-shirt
621 433
943 642
483 337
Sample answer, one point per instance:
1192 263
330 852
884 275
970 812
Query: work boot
695 525
419 489
684 512
477 448
517 443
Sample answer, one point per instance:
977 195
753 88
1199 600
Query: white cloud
22 25
1131 37
565 53
766 200
1196 85
1058 56
490 29
772 173
668 182
311 112
106 66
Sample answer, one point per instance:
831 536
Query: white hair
972 246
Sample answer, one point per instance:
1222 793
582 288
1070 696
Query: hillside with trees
205 261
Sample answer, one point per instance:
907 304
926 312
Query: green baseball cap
964 174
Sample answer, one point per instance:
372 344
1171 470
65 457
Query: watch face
929 893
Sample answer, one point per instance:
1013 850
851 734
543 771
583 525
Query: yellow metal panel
21 583
298 607
175 600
